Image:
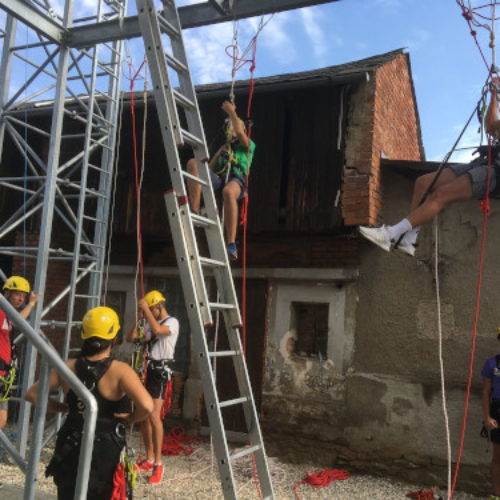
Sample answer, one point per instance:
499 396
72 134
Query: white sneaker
406 247
377 235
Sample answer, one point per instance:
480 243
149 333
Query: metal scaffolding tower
71 64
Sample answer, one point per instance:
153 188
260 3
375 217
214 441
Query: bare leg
424 181
148 439
3 418
459 189
230 194
495 468
157 428
194 189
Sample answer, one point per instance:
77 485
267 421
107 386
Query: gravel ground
196 478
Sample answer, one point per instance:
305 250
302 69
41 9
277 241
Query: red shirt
5 346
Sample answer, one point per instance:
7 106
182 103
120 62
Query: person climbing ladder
228 168
457 182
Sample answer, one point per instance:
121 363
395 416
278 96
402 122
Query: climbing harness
140 351
7 380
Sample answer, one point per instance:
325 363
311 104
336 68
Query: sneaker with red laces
145 465
157 474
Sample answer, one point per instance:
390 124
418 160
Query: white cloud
310 21
275 39
207 57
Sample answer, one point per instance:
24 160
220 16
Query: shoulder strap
86 371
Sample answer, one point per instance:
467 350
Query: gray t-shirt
164 345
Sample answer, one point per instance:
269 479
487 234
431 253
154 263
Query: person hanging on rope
433 192
17 291
114 384
491 414
229 169
161 333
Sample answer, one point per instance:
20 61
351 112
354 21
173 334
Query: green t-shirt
240 153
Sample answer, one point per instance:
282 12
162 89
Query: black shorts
495 413
156 382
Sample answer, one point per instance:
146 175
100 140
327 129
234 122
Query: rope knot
484 206
467 15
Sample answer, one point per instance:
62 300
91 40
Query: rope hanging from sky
473 16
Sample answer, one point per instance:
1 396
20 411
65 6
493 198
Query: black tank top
90 372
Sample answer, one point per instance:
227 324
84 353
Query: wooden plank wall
295 175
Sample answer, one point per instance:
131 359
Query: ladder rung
88 244
84 269
211 262
194 178
223 354
168 28
83 296
176 64
199 220
220 306
182 100
245 452
233 402
191 139
98 169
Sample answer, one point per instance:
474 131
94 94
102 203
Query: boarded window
311 320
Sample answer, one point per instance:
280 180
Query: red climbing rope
321 479
177 443
136 169
167 399
484 207
422 494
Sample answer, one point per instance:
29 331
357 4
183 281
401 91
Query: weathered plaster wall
383 411
395 387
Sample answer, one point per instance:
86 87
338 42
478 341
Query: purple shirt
490 370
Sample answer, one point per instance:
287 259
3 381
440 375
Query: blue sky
448 71
447 68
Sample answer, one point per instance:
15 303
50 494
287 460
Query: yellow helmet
153 298
100 322
17 283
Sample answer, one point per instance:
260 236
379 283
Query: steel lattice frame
82 85
74 66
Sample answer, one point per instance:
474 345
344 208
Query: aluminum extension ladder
162 34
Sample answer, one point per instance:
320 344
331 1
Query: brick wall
382 120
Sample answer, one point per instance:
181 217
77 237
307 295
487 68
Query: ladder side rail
249 409
187 88
161 84
150 29
50 355
201 349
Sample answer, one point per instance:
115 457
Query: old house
341 338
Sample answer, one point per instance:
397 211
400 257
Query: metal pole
37 432
47 351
